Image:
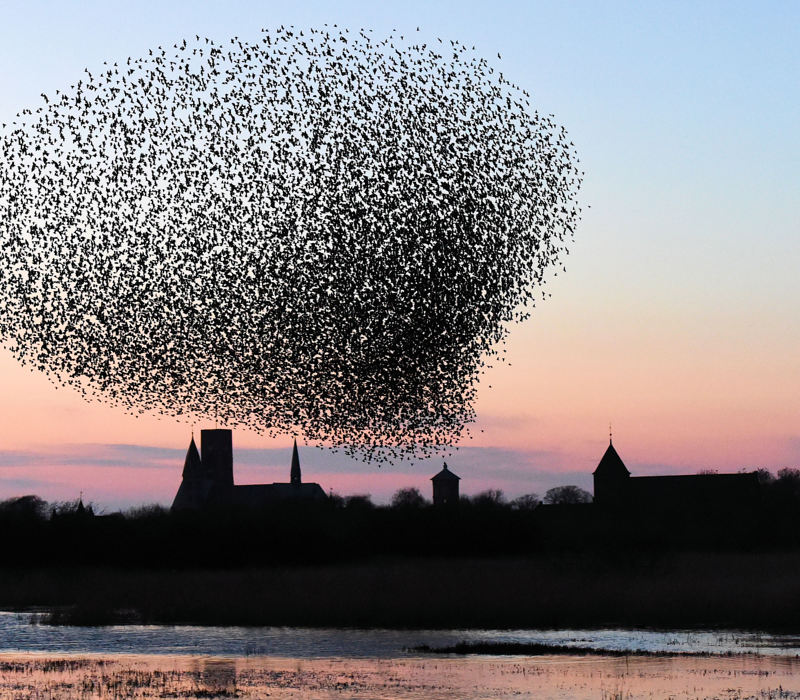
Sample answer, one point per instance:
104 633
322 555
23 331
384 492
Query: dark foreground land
678 590
479 565
525 649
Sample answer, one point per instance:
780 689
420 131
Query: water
141 661
17 634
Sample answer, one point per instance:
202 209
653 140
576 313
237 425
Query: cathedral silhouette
208 479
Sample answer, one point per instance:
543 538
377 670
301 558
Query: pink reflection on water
137 676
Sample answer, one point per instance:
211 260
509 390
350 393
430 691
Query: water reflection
136 676
17 634
215 676
225 662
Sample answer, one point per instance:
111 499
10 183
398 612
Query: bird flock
318 232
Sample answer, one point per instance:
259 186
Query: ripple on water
18 634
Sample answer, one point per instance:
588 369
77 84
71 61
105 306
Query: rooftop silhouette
614 486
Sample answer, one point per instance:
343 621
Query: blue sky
677 318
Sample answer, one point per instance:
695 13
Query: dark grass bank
675 590
534 649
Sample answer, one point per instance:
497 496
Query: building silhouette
611 478
698 510
445 487
208 479
615 487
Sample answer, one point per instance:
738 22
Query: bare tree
147 510
765 477
408 498
359 502
490 497
567 495
527 502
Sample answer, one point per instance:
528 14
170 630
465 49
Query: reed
676 590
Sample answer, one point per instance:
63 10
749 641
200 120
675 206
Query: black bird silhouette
317 232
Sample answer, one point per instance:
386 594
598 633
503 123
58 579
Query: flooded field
140 661
20 633
136 676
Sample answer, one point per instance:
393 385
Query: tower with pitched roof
611 478
445 487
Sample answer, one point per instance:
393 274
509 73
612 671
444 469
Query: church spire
294 474
192 468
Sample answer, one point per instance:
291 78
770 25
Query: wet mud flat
92 677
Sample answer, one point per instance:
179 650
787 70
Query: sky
676 320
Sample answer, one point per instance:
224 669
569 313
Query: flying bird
308 233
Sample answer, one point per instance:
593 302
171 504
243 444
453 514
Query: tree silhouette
408 498
561 495
490 497
529 501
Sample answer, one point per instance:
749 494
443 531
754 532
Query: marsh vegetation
487 563
411 678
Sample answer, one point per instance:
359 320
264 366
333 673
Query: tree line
37 533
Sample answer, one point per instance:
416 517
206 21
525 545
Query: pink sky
676 319
683 395
688 383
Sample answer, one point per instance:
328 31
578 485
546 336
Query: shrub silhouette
490 497
24 508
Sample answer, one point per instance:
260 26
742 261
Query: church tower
611 479
216 447
445 487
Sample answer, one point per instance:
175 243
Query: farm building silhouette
701 510
615 487
208 479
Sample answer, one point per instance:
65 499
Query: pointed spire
192 467
294 474
611 464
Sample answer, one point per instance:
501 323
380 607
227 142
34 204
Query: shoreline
536 649
492 650
344 643
40 615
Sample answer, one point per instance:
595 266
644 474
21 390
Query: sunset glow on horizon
675 322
